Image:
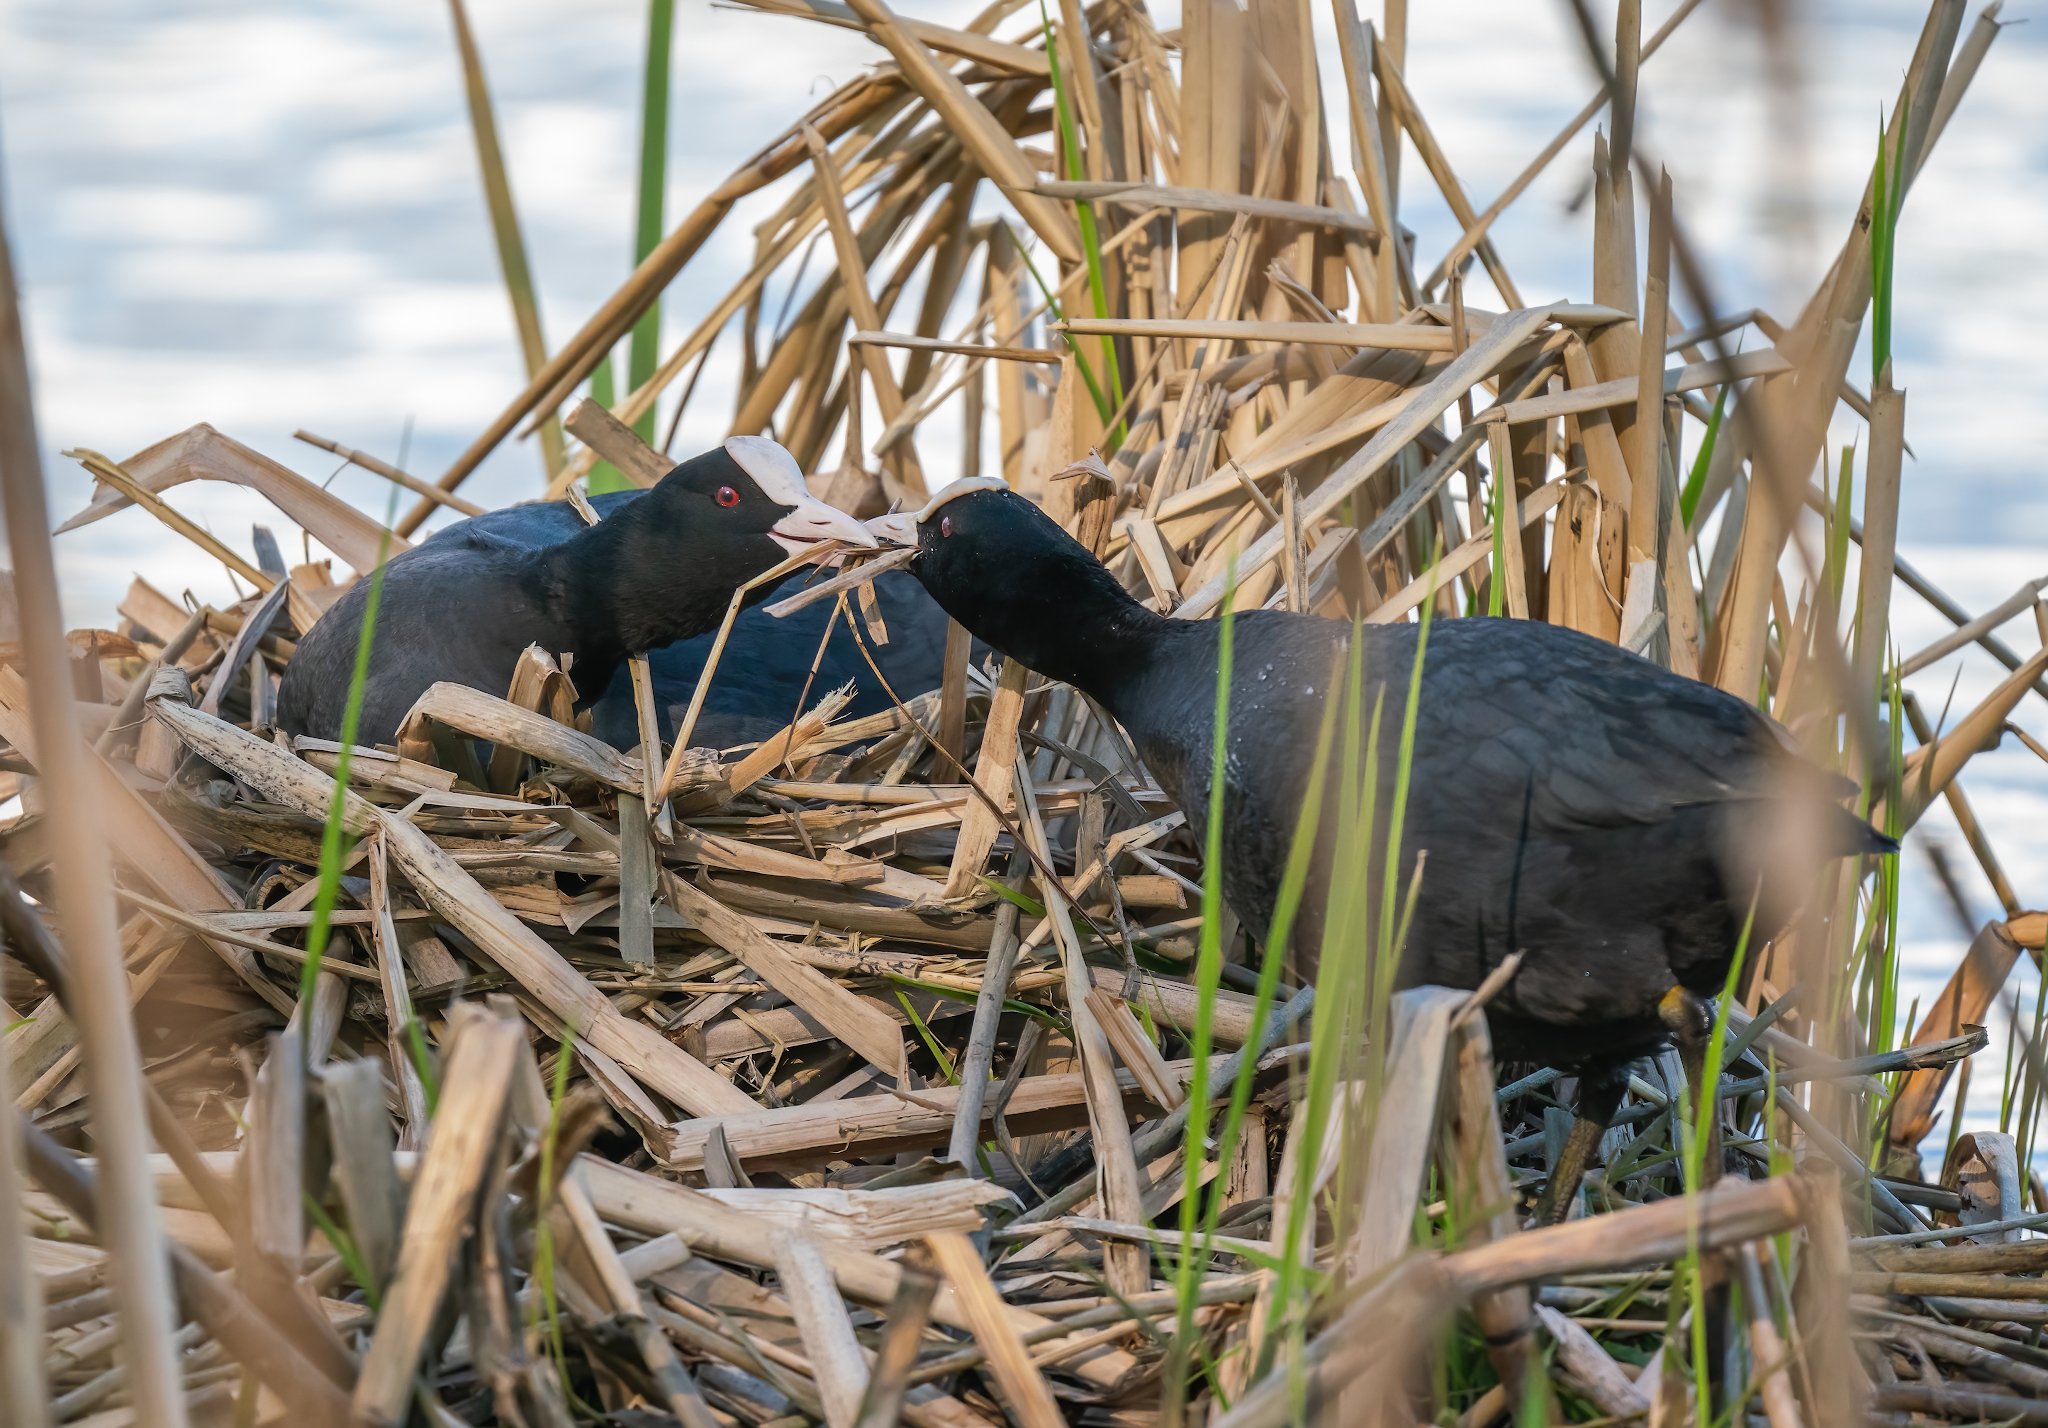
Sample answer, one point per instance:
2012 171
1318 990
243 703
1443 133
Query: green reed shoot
931 1043
603 475
1696 478
1705 1108
1091 235
1339 1022
1051 296
643 354
344 1245
2035 1095
1293 882
1835 559
1366 917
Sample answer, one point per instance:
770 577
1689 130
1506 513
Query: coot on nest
1610 820
661 566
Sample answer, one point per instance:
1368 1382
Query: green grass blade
1835 560
547 1309
1208 977
1052 306
1023 901
1339 1011
1706 1105
1888 863
334 840
1091 235
931 1043
518 273
1396 813
1293 884
1050 1019
344 1245
1696 479
423 1063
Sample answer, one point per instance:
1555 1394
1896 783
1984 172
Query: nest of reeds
874 1072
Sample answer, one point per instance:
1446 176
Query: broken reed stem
575 359
378 466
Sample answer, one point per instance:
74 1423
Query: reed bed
906 1068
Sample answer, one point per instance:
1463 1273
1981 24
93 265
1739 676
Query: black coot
661 566
1611 820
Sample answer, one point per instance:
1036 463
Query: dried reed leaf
200 453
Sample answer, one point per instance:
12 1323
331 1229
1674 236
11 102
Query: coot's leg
1600 1088
1691 1023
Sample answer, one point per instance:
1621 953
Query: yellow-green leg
1599 1097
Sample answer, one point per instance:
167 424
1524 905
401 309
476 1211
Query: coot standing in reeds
1613 822
660 566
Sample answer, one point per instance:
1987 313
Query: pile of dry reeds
780 1084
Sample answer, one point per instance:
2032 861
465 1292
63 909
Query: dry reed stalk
575 360
24 1386
250 1337
1024 1387
111 475
1794 407
480 1063
381 467
512 262
84 879
1121 1187
861 303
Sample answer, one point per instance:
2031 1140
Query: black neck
619 589
1076 624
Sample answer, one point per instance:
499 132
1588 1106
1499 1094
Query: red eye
727 496
945 525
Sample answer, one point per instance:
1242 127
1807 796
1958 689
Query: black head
1007 572
743 507
665 566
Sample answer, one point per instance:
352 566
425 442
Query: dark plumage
1605 817
661 566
